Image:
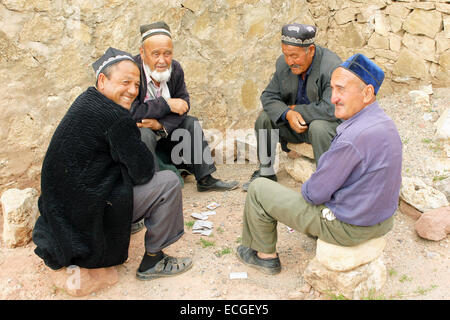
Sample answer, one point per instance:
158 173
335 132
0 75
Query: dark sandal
166 267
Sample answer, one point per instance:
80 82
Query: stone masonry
227 48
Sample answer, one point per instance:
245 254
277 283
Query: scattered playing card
204 232
238 275
212 205
201 224
200 216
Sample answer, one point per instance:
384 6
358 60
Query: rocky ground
417 268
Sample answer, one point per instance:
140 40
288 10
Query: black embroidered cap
160 27
111 56
296 34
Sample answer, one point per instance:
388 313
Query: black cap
160 27
111 56
296 34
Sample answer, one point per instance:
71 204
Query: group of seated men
109 165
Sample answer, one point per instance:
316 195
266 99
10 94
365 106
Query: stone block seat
303 166
354 272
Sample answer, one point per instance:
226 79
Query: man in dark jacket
161 109
296 102
98 177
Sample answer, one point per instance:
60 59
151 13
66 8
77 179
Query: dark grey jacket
282 89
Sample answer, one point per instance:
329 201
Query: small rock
300 169
305 288
80 282
421 196
295 295
409 210
20 212
419 97
434 225
302 149
443 126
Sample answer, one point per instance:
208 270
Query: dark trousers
186 146
319 135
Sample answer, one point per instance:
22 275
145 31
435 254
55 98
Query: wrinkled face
349 94
298 58
122 83
157 52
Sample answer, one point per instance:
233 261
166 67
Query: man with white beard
161 108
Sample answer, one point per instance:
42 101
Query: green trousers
268 202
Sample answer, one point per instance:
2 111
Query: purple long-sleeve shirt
359 177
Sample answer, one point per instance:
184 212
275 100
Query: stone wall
227 49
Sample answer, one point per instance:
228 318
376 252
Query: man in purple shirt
353 195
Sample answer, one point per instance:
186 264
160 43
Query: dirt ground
417 269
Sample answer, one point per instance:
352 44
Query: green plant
206 243
439 178
223 252
239 240
189 224
333 296
404 278
220 230
392 272
423 291
372 295
426 140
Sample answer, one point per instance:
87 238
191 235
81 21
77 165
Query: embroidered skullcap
110 57
365 69
296 34
160 27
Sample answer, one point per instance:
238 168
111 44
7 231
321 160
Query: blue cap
365 69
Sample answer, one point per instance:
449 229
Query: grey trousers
268 203
319 135
160 203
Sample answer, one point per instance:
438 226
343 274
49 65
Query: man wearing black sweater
98 177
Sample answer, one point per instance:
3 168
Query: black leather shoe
216 185
249 257
257 174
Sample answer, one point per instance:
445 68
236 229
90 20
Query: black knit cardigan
94 159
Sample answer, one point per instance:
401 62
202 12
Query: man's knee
263 121
257 185
321 129
190 122
170 179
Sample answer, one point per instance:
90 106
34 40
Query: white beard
159 76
